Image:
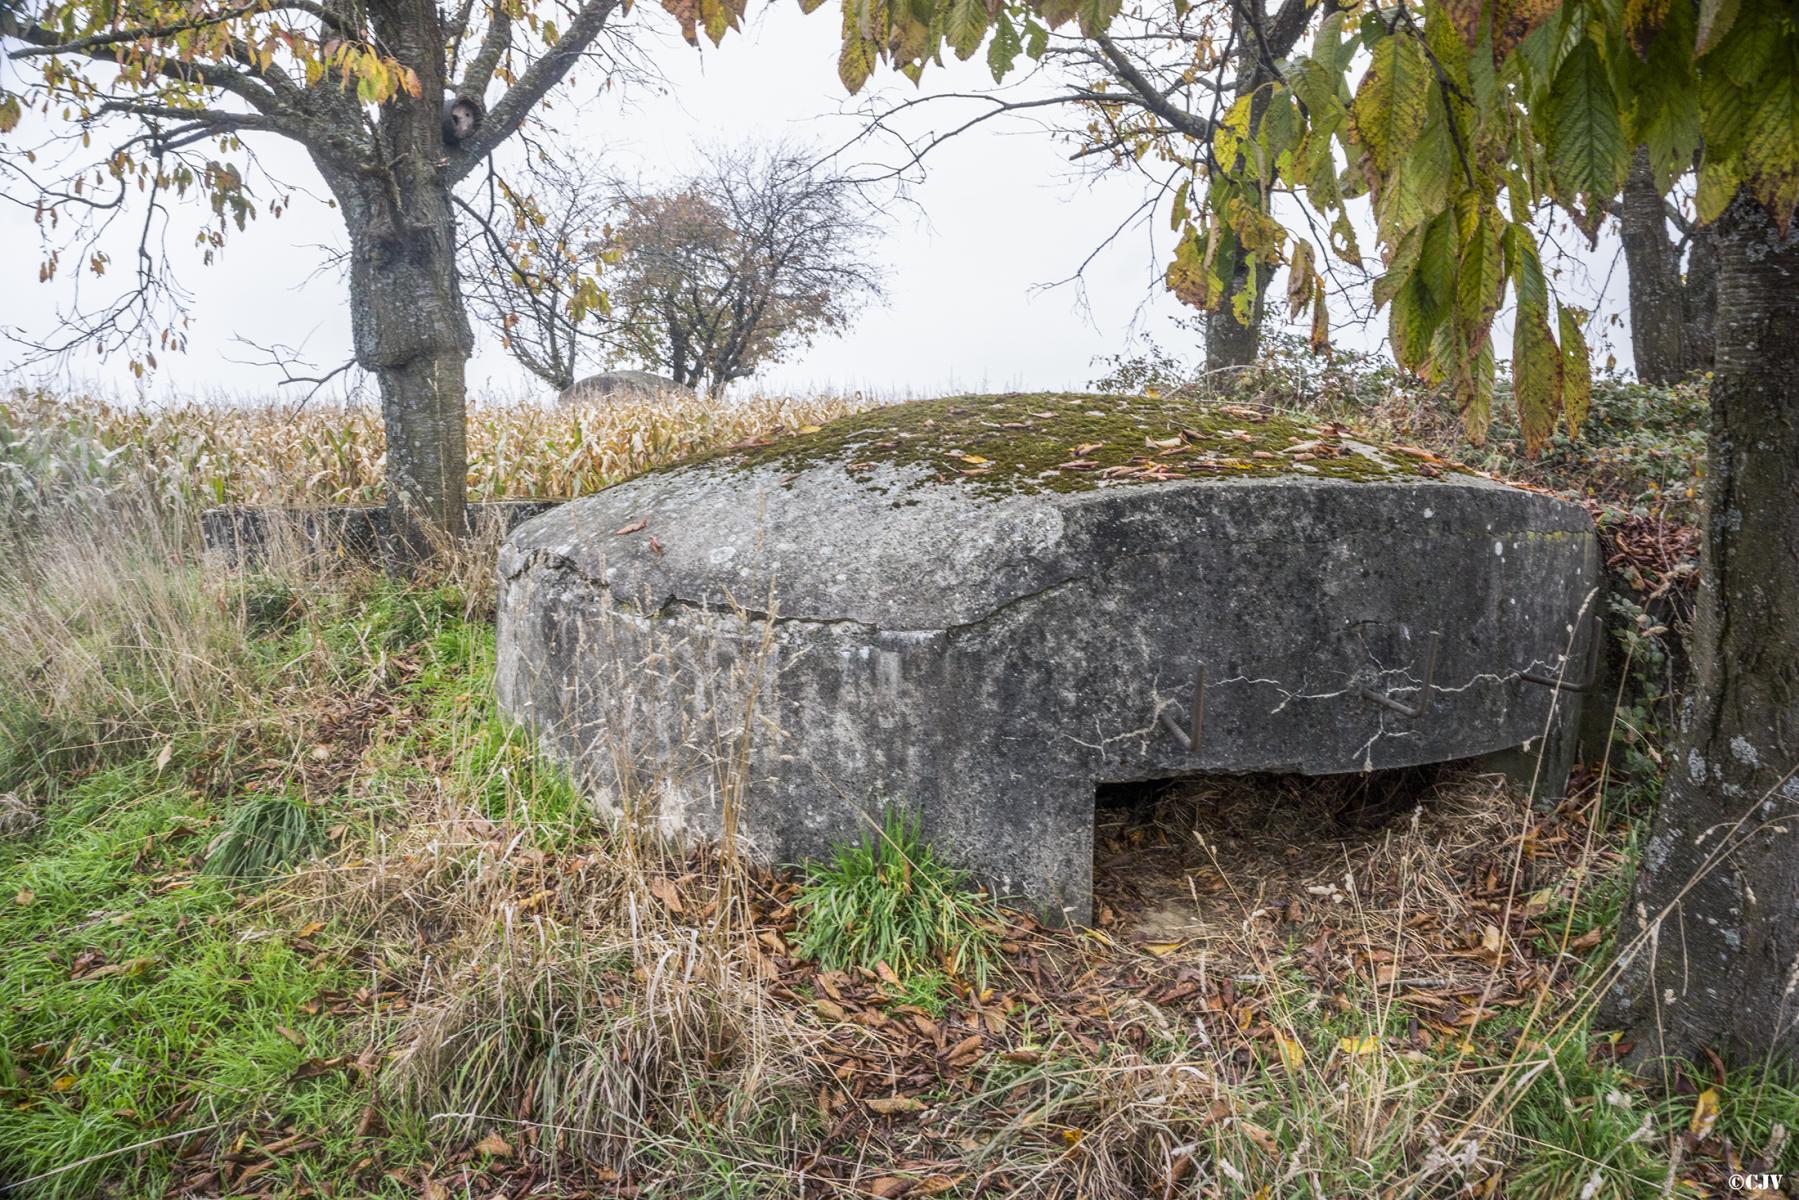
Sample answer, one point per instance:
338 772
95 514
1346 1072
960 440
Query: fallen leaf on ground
494 1146
665 891
1705 1113
1261 1137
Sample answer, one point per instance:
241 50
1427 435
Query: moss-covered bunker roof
1035 442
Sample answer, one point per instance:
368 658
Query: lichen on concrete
1029 442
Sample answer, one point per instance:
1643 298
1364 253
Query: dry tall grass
323 453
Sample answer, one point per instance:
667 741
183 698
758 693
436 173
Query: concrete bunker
984 608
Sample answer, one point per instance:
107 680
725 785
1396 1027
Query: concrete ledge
242 535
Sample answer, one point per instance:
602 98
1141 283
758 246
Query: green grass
889 900
494 762
262 835
153 980
134 1004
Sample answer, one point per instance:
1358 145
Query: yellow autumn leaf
1357 1046
1705 1113
976 459
1293 1053
1162 949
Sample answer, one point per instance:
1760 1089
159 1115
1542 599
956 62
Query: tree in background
1154 85
739 265
1464 116
1672 312
1143 95
388 98
535 260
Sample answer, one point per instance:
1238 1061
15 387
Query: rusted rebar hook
1430 679
1595 631
1196 716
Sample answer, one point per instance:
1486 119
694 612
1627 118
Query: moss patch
1035 442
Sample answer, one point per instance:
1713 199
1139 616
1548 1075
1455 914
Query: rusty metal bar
1541 679
1430 678
1189 738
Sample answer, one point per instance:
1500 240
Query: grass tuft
262 836
888 900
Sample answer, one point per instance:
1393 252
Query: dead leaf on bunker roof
633 527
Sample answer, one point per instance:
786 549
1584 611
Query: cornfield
213 453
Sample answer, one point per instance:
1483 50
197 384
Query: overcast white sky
1000 214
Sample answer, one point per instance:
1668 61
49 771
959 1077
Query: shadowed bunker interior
981 609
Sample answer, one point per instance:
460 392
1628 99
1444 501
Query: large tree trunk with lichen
413 336
406 309
1711 942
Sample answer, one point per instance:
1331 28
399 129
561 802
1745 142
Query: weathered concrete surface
238 535
630 385
986 660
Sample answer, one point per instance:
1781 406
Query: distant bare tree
741 264
534 266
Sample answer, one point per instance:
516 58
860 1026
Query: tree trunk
1716 901
1657 318
1232 345
413 334
1699 300
406 310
